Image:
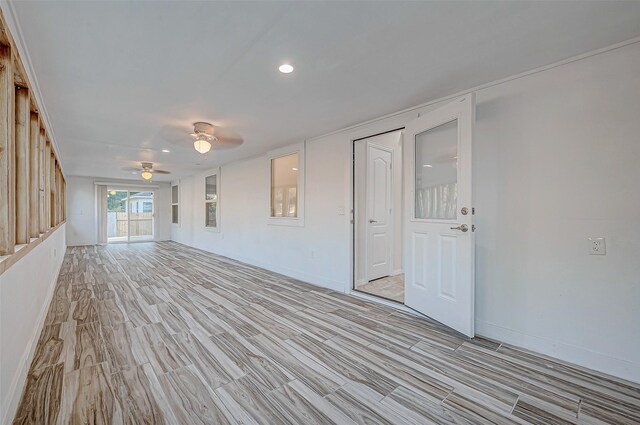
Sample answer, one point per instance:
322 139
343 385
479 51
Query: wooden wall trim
10 260
32 184
20 67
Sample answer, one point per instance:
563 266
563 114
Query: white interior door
439 237
379 211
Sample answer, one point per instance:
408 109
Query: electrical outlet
597 246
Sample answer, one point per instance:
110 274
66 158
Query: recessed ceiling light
166 150
285 68
428 166
294 169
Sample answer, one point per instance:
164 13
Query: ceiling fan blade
131 169
160 171
227 139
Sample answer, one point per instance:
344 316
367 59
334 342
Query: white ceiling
117 76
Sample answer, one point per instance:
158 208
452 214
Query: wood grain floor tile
159 333
189 398
41 399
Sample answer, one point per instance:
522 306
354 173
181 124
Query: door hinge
473 227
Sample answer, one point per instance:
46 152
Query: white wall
556 159
81 209
26 289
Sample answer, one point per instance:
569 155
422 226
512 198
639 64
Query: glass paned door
439 233
117 216
129 215
140 216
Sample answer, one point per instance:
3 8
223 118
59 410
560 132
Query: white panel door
439 238
379 202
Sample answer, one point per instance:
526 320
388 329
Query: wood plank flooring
160 333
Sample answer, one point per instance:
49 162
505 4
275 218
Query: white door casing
379 221
439 254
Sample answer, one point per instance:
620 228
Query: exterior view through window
284 186
211 201
174 204
129 216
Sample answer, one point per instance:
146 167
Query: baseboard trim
286 271
20 376
579 356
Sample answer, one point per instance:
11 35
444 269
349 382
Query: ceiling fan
204 136
147 171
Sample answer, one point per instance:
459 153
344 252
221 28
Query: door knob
462 227
372 220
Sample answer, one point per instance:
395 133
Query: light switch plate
597 246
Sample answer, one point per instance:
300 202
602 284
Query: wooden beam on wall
56 194
52 189
42 217
47 184
60 196
7 198
23 118
34 195
64 199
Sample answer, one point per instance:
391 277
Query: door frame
351 201
129 189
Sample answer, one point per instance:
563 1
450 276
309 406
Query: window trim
177 203
298 148
213 172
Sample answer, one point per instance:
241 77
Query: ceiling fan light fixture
203 134
146 174
202 144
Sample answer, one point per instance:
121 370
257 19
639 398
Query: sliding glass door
129 215
140 216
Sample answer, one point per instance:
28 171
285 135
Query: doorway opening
377 214
130 216
413 224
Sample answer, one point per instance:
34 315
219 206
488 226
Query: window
211 201
436 172
286 186
174 204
